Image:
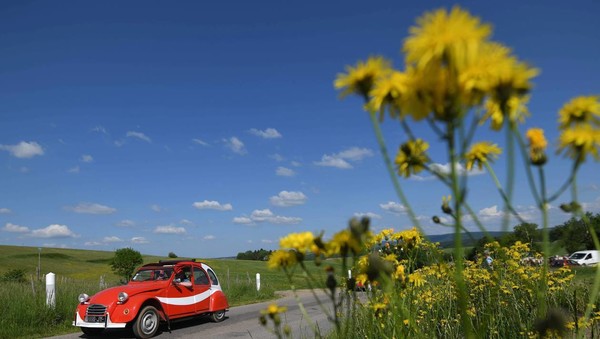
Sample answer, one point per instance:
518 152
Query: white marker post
50 289
258 281
349 274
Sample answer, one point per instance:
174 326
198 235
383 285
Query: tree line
573 235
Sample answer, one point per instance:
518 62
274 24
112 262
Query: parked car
158 293
585 258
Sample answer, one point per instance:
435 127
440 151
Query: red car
158 292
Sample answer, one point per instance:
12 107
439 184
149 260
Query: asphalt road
241 322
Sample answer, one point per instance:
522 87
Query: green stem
527 161
458 248
309 320
507 202
392 173
543 289
570 181
510 173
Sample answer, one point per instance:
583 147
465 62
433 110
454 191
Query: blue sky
210 128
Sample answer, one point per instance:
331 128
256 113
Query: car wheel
90 331
217 316
146 323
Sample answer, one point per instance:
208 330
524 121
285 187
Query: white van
585 258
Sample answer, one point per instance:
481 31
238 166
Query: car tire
147 322
218 316
91 331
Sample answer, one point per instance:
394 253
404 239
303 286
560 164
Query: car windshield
577 256
152 274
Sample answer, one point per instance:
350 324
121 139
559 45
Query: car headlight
122 297
83 298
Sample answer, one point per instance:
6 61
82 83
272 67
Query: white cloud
269 133
209 237
53 231
138 135
235 145
355 154
200 142
9 227
92 243
266 241
99 129
186 222
591 206
393 207
156 208
332 161
91 208
278 219
243 221
87 158
169 229
24 149
212 205
112 239
286 199
295 163
284 172
5 210
444 169
370 215
277 157
266 215
340 160
126 223
73 169
490 213
139 240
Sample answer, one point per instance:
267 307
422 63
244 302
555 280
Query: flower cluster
579 122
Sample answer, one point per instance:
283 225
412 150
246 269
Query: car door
201 290
179 299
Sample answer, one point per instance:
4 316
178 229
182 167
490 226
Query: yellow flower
274 309
399 273
412 157
481 153
477 78
416 279
445 37
537 146
281 259
387 92
343 242
515 107
301 242
360 79
583 109
579 141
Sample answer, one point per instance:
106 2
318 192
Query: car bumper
106 324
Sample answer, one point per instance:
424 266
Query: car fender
129 310
218 301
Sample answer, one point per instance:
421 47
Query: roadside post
50 289
258 281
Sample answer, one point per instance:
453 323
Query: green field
24 314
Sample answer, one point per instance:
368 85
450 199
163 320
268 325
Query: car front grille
95 313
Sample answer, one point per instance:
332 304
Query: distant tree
574 234
528 233
254 255
15 275
125 261
172 255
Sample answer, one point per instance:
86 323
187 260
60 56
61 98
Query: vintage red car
158 292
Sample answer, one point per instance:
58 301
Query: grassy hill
90 265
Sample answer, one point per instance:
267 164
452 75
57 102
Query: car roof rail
170 262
